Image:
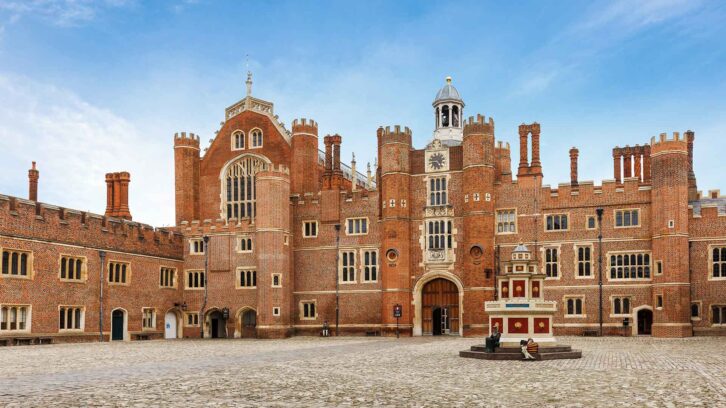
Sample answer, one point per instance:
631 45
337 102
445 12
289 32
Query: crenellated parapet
478 125
304 126
663 144
395 134
21 218
182 140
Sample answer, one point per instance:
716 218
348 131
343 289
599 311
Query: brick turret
669 220
33 176
478 215
273 252
304 170
394 149
186 176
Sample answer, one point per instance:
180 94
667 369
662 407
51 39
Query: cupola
448 112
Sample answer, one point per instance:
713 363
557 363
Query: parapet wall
20 218
478 125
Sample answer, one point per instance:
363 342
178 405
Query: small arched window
455 116
256 138
238 140
445 116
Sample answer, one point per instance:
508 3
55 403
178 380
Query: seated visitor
524 344
492 342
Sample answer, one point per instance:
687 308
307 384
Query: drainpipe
206 272
337 278
599 212
102 255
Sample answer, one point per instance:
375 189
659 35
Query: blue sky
89 87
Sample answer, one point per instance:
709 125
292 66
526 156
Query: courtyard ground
305 371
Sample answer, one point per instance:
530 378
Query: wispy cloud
62 13
75 144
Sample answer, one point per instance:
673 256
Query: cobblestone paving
417 372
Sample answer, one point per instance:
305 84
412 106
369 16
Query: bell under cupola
448 111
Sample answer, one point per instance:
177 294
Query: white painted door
170 326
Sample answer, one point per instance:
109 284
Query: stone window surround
31 270
612 305
544 224
565 298
250 134
607 266
83 318
362 266
276 311
615 211
367 224
28 317
302 309
710 317
427 179
234 139
186 319
153 319
238 243
659 301
244 269
587 222
174 274
496 222
575 248
127 282
700 310
191 246
84 268
186 279
543 267
308 222
279 279
710 262
354 267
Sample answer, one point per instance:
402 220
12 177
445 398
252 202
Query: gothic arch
417 299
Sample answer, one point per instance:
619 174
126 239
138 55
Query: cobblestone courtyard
360 372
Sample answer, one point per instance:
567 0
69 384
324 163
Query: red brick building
275 237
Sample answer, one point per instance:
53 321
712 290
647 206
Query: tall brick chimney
117 195
523 162
33 176
573 165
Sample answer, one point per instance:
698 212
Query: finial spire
249 75
448 79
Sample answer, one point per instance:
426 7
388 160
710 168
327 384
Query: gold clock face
437 161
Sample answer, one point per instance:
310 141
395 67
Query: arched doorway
171 325
118 325
249 323
440 307
645 322
217 325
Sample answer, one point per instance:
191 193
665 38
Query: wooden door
117 325
440 294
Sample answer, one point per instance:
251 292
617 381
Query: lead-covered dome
448 93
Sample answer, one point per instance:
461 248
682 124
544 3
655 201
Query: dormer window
238 140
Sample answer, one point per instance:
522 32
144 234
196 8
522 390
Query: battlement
663 143
502 146
73 227
478 125
304 125
190 140
280 169
386 131
208 226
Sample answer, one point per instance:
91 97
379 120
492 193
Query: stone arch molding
417 299
265 164
238 320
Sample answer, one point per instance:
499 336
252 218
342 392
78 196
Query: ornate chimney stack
33 176
574 153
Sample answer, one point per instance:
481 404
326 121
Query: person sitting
492 342
524 344
326 330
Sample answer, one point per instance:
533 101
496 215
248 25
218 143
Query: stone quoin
294 233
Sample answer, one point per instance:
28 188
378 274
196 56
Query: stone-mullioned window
70 318
629 266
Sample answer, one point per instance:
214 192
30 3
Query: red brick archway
440 307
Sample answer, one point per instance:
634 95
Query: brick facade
291 229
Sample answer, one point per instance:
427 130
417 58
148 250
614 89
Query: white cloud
75 144
63 13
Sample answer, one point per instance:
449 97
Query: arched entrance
249 323
119 324
644 321
440 307
217 325
172 325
